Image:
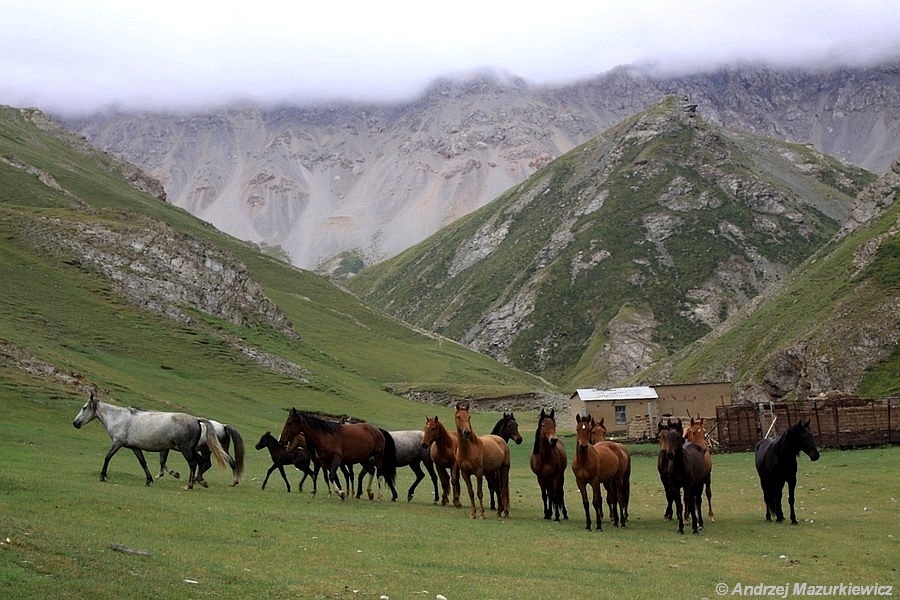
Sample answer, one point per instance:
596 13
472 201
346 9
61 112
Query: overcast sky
84 55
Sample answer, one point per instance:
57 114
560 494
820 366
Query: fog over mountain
339 185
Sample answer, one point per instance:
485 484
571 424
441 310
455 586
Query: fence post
837 425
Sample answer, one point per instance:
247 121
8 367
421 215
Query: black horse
776 463
684 468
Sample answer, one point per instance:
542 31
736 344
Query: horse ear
601 421
553 413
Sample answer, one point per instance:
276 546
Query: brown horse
548 463
696 434
339 444
593 465
299 458
481 456
684 469
623 474
442 445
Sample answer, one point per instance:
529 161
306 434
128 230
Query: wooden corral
836 421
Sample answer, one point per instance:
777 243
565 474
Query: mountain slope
105 284
622 251
833 324
341 185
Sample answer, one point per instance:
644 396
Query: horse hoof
203 483
176 475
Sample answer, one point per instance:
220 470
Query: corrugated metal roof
624 393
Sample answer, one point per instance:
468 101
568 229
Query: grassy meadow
57 521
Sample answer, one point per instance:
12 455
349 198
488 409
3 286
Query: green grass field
57 522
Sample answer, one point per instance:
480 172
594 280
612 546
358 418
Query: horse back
157 431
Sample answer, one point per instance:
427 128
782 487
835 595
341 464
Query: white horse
153 431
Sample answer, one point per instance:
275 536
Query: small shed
635 411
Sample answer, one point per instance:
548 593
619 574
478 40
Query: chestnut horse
696 434
593 465
548 463
481 456
442 445
684 468
339 444
623 474
776 464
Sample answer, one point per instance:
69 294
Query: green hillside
66 316
640 241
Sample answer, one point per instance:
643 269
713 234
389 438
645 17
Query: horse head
291 426
463 419
508 428
87 413
583 428
696 433
547 427
431 431
802 433
598 431
671 441
264 440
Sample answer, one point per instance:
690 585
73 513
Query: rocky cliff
339 186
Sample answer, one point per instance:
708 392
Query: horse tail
238 453
389 461
214 445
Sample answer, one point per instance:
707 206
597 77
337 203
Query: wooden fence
835 423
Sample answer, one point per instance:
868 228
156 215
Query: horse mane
498 426
536 449
321 424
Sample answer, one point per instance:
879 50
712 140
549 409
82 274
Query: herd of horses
314 443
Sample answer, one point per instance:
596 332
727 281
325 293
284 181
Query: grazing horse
441 445
776 464
299 458
622 494
594 465
413 454
507 428
226 435
685 468
481 456
548 463
339 444
696 434
153 431
662 462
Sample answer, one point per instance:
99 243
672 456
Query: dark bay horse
508 428
684 469
441 445
481 456
548 463
696 434
776 464
339 444
299 458
153 431
662 462
595 465
622 495
226 435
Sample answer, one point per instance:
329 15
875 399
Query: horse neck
109 414
787 444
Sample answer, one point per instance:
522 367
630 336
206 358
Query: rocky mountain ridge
624 250
342 185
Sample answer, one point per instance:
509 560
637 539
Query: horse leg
545 500
698 499
792 482
709 510
582 487
777 491
420 475
454 478
598 505
467 478
503 480
429 466
445 486
679 509
143 461
204 464
480 479
112 451
164 467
